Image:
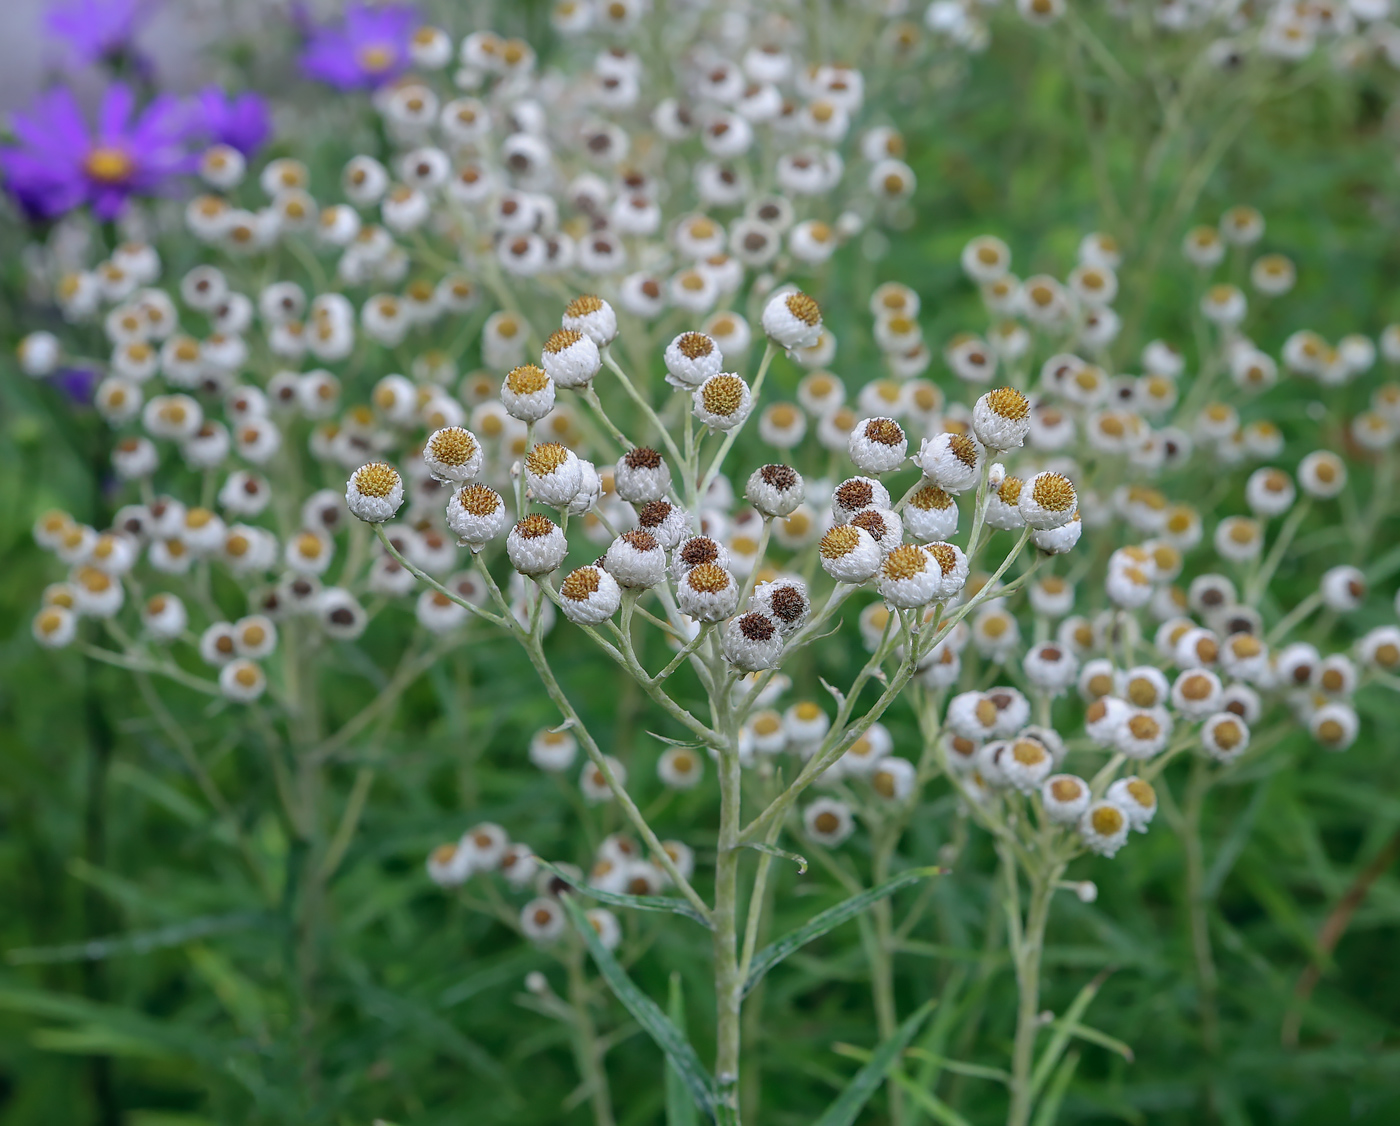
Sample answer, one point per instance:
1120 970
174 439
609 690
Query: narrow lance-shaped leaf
636 902
1063 1031
679 1053
680 1107
819 924
862 1085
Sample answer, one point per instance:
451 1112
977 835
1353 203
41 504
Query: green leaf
139 942
1049 1107
636 902
819 924
670 1039
97 1040
1045 1065
931 1103
862 1085
1094 1036
680 1107
800 861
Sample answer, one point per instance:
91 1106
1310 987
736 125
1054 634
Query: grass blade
862 1085
680 1107
819 924
636 902
646 1012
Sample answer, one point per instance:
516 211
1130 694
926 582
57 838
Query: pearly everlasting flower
1001 419
785 601
954 567
752 642
951 461
909 576
722 402
1322 474
528 393
878 445
593 317
1225 736
374 492
1104 825
691 358
775 490
930 513
641 475
476 515
589 595
1064 797
571 358
792 320
453 455
1057 541
1047 501
828 822
856 494
552 474
1136 798
1334 725
850 554
707 593
636 560
536 545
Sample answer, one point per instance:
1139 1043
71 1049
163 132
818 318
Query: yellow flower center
109 165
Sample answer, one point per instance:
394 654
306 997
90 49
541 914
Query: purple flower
241 122
59 163
98 30
78 384
369 48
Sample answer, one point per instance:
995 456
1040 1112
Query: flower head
60 164
369 48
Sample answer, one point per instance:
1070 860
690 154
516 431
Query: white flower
552 474
1334 725
1047 501
828 822
1001 419
570 358
476 515
792 319
635 559
1225 736
54 627
528 393
453 455
374 492
1064 797
909 576
753 642
553 751
242 681
536 545
1136 799
542 920
691 358
680 768
856 494
951 461
878 445
449 865
784 600
1057 541
850 554
953 564
593 317
723 401
641 475
707 593
1104 828
666 522
775 490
